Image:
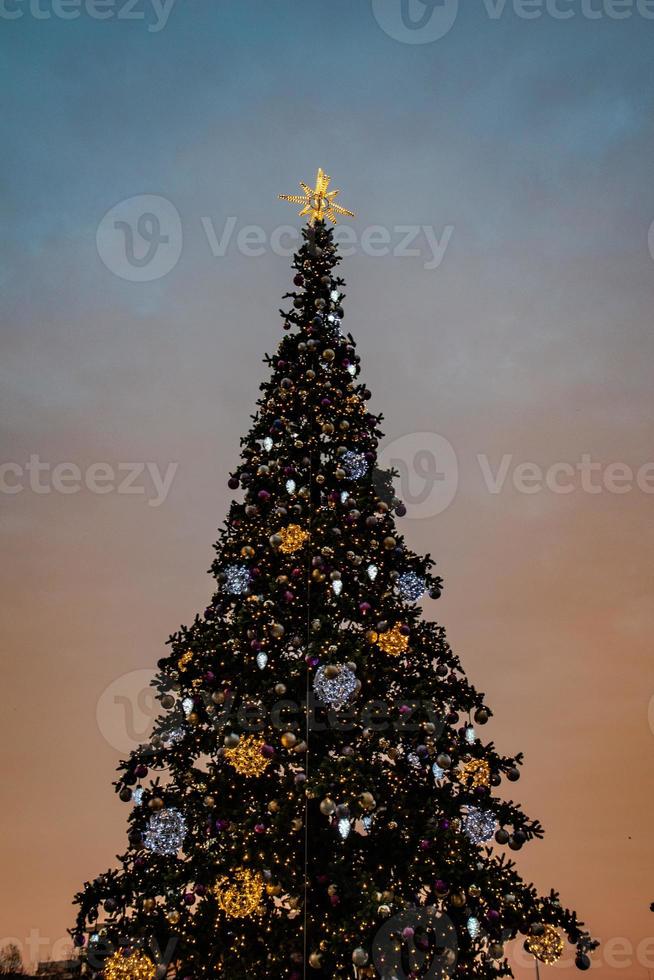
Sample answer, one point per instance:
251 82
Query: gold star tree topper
319 202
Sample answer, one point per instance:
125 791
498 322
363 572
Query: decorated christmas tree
317 798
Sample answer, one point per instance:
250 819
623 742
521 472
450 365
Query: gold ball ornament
547 947
246 757
289 740
136 966
239 895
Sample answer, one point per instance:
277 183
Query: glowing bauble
239 895
354 464
247 757
335 689
136 966
547 946
393 641
410 586
479 825
237 579
165 832
474 773
292 538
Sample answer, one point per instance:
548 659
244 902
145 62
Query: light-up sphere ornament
237 579
547 947
474 773
393 641
293 538
354 464
479 825
410 586
136 966
335 689
247 757
165 832
239 895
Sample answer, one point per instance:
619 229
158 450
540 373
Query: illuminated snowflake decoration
137 795
267 444
479 825
166 832
262 660
237 579
188 706
410 586
354 464
437 771
335 691
470 735
337 587
290 486
372 572
473 927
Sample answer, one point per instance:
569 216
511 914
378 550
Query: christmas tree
316 799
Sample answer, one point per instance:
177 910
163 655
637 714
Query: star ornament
318 202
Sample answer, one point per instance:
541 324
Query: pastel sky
519 331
